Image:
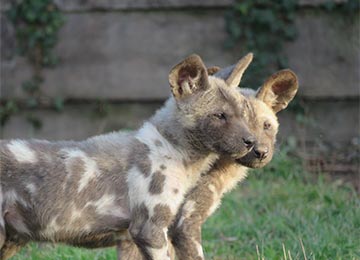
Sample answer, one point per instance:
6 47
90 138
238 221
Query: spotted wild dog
201 202
91 193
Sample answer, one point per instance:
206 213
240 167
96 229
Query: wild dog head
211 110
263 105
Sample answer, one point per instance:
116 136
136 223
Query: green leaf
243 7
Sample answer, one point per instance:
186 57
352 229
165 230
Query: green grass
279 212
60 252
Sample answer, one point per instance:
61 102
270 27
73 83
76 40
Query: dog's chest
169 175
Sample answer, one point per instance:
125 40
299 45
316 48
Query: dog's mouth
241 155
251 161
238 155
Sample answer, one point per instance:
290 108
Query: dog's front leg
128 250
199 204
148 229
185 233
153 242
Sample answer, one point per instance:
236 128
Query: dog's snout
261 153
249 142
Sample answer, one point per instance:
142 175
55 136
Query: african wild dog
205 197
93 192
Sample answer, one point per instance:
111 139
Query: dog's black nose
261 153
249 142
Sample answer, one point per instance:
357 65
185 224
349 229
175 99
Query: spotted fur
95 192
205 197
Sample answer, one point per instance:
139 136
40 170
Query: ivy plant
36 23
262 27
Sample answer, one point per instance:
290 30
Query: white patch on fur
75 213
107 205
31 188
86 227
11 197
214 206
189 207
216 198
148 133
187 210
160 253
91 170
138 186
212 188
199 249
51 229
180 222
22 152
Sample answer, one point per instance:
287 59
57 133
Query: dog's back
59 178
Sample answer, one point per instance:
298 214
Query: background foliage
37 23
264 26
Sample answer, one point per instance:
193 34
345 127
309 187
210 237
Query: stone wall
121 51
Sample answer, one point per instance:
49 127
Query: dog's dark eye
221 116
267 126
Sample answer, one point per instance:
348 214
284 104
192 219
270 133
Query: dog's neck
168 125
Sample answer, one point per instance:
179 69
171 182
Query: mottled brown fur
87 193
162 215
203 199
141 159
157 183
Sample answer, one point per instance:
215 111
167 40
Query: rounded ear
279 89
188 77
233 74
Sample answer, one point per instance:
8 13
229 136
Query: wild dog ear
212 70
233 74
279 89
188 77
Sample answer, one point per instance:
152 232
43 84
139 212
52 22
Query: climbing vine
36 23
263 27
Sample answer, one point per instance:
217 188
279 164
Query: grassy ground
277 213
